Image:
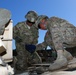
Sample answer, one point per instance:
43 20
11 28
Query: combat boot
60 62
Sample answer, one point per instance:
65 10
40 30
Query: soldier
26 35
60 35
5 17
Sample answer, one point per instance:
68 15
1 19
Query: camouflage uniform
27 36
60 34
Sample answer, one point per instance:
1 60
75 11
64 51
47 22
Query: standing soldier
26 35
60 35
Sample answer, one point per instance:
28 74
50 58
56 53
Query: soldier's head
41 22
31 16
5 16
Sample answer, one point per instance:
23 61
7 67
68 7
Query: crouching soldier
60 35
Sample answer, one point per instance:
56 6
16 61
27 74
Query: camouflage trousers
24 58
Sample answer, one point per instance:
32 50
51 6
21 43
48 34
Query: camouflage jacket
60 34
27 35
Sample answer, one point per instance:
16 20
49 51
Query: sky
65 9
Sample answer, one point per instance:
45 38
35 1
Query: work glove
18 39
30 48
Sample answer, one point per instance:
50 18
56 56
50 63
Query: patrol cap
39 18
31 16
5 16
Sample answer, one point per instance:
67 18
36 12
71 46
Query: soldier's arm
35 41
36 35
16 31
41 46
56 35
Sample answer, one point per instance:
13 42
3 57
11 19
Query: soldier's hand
30 48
